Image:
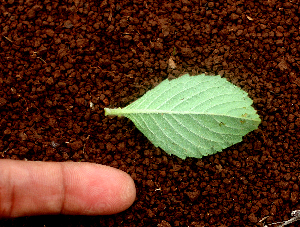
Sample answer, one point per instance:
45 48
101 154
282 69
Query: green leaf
192 116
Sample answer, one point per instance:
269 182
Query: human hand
39 188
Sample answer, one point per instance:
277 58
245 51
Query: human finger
39 188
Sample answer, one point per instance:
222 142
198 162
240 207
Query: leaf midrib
123 112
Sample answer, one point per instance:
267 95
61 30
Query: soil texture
62 62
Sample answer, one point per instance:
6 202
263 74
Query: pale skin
40 188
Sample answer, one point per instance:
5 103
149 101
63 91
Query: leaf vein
198 135
173 141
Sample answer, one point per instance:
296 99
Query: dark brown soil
62 62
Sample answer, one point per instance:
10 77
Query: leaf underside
193 116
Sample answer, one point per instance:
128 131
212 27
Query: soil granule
62 62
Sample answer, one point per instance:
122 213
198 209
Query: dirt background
62 62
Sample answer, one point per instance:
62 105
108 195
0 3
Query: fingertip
102 190
126 192
122 192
